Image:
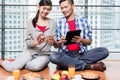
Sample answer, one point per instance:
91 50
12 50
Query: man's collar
65 20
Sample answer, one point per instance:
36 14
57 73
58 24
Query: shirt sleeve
29 40
87 30
57 31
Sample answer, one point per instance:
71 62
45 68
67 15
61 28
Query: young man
76 53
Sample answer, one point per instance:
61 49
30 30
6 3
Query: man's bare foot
99 66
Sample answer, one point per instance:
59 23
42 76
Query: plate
91 78
31 76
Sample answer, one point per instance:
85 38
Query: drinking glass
71 70
16 74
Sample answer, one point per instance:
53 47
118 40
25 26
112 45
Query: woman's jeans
65 58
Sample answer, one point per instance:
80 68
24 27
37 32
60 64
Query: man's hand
62 40
77 39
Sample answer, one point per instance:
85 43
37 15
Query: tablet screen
70 35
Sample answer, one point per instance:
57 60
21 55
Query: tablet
70 35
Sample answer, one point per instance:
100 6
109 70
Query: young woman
40 33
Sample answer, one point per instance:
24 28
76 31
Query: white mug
10 78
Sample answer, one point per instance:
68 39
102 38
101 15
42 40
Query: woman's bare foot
1 60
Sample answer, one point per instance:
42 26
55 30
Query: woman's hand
40 39
50 39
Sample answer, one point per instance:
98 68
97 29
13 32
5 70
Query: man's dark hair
70 1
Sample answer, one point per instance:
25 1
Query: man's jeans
65 58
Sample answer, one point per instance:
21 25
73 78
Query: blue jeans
65 58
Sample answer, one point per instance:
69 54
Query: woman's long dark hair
41 3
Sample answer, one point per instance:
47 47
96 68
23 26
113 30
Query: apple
64 72
57 72
55 77
64 77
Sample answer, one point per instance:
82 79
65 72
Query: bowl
91 77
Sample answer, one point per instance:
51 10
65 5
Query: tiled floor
112 72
